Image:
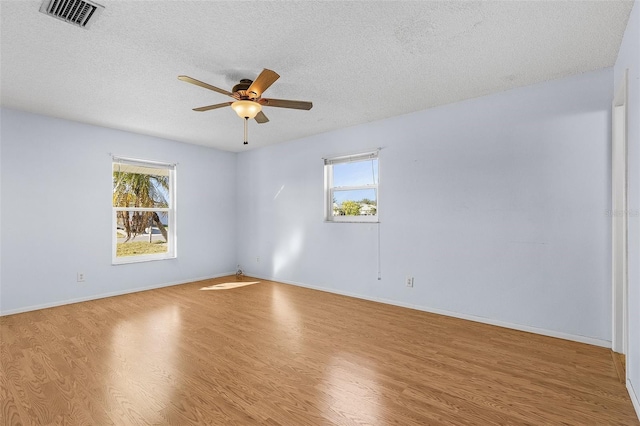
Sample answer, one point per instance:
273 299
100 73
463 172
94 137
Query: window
351 188
143 219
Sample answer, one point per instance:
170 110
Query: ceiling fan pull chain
246 127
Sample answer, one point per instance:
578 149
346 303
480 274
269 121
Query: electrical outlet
409 281
80 277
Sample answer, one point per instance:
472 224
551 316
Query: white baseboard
541 331
112 294
519 327
634 398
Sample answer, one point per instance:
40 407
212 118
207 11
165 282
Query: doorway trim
619 218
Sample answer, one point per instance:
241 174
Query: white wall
629 58
56 211
495 205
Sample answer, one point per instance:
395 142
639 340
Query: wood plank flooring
619 363
276 354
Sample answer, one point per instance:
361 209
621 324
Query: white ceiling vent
76 12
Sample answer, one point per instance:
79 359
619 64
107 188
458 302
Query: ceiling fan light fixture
246 109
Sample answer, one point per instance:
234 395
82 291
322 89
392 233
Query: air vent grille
76 12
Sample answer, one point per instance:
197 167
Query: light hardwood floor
276 354
619 363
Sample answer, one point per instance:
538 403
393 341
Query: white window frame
329 188
171 210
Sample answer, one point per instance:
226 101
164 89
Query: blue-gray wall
56 212
496 205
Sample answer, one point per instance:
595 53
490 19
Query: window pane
356 173
356 202
140 186
141 233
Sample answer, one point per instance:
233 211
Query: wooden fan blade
210 107
262 83
261 118
205 85
284 103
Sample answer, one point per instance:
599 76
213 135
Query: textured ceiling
356 61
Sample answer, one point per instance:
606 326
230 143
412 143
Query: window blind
351 158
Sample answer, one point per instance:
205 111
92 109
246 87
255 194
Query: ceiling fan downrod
246 131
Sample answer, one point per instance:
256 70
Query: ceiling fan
248 98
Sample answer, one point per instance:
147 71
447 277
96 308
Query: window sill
351 221
139 259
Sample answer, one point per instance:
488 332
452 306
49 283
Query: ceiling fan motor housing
242 86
